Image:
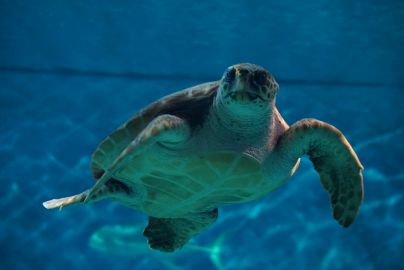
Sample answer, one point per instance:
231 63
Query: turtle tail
62 202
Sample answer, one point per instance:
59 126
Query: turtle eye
230 75
260 77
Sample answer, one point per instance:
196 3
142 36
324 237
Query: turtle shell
196 99
170 184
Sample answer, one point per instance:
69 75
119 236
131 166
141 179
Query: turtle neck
248 128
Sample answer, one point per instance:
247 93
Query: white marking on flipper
60 203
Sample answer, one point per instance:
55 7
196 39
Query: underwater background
73 71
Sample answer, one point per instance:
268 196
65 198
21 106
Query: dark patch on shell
194 111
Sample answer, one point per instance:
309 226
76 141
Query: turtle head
247 88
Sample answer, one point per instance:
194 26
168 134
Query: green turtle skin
213 144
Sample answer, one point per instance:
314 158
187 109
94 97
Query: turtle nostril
243 73
260 77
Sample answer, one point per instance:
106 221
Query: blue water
71 72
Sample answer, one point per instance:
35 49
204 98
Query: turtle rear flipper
169 234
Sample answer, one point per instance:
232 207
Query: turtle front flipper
333 158
62 202
169 234
165 129
112 189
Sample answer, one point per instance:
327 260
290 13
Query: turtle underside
176 185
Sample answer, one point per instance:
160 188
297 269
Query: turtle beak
241 78
238 86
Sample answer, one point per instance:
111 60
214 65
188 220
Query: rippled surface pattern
70 74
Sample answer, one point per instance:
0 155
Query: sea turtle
217 143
